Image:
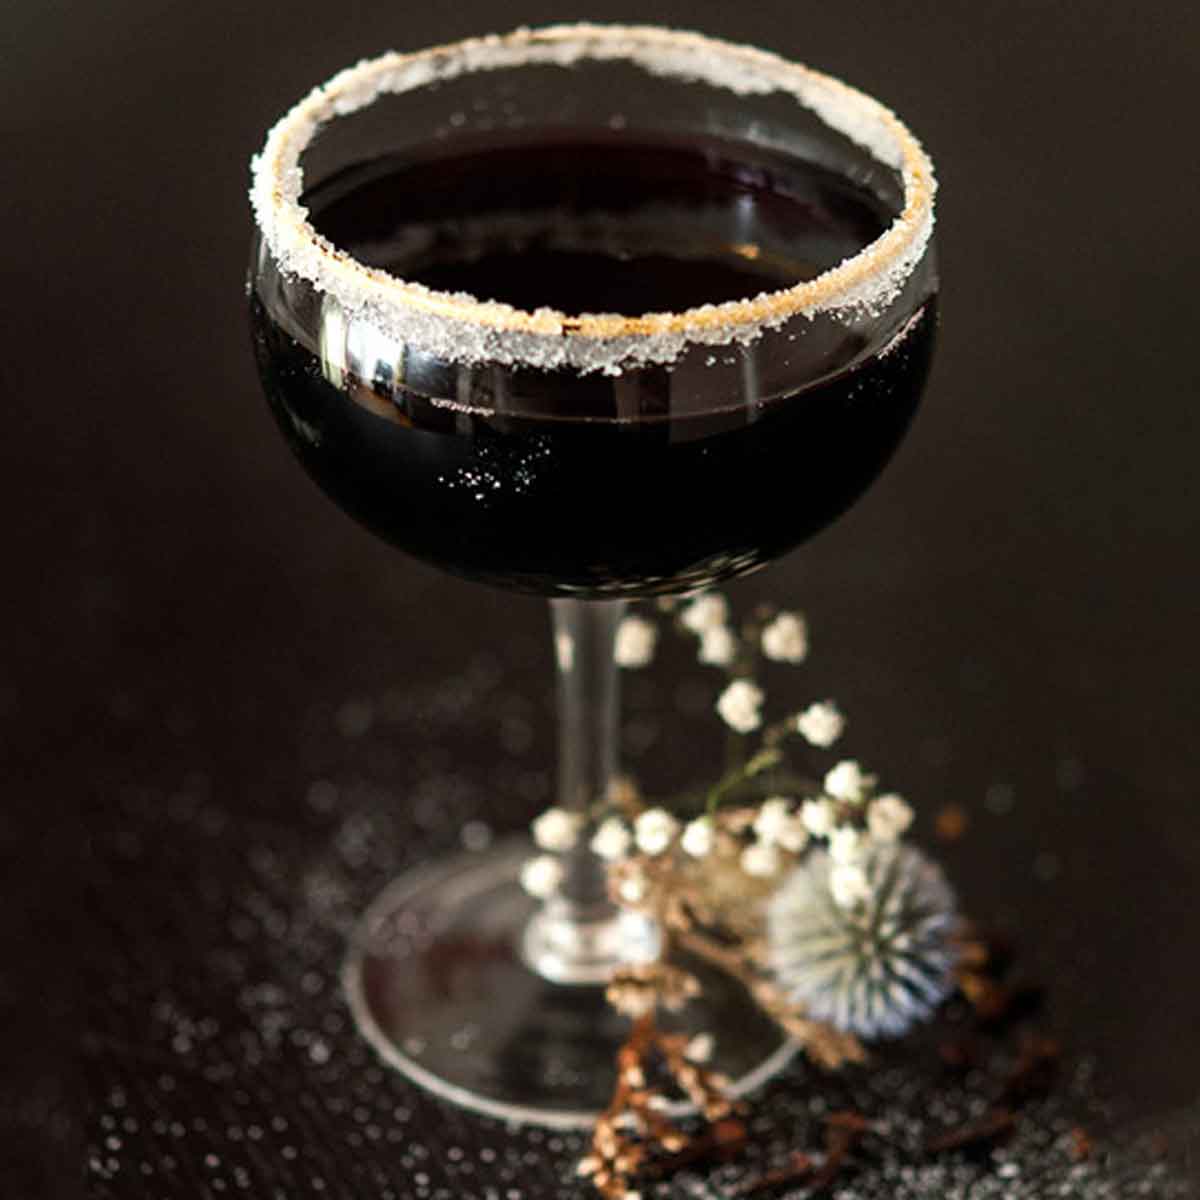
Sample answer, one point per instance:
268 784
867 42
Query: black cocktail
591 312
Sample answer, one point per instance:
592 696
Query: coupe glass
590 446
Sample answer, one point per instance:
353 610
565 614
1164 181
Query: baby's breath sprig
794 881
698 880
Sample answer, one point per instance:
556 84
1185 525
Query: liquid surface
601 226
655 481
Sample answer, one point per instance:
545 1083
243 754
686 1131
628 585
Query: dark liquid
655 481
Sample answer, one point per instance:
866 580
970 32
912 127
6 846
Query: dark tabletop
228 715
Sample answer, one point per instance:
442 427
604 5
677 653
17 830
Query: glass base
437 980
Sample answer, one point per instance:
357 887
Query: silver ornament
874 969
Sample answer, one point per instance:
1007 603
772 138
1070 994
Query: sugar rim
471 328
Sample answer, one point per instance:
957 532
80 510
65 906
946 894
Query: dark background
195 637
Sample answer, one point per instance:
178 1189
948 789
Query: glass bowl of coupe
597 313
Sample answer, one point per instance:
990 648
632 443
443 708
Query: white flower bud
793 837
557 830
818 817
760 859
845 844
773 817
655 830
785 639
777 825
718 646
612 839
821 724
698 837
848 782
740 705
849 885
589 1165
888 817
632 889
705 612
635 641
542 876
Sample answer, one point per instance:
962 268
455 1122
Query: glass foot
438 982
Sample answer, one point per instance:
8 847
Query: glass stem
580 935
585 634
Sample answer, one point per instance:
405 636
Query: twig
799 1167
633 1126
1033 1072
843 1130
989 1128
826 1045
739 773
722 1140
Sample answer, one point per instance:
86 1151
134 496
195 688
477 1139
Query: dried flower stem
986 1131
722 1141
764 760
842 1133
633 1126
824 1044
